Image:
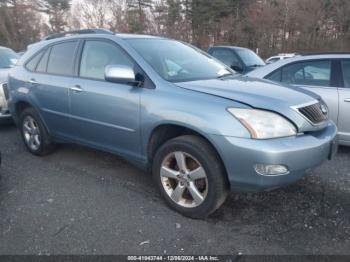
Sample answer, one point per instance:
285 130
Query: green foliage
136 15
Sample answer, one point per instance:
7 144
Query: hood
4 74
257 93
252 91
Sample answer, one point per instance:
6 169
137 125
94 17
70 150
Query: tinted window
61 59
8 58
346 72
31 65
226 56
43 62
97 55
313 73
250 58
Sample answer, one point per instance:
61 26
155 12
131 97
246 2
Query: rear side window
346 72
97 55
61 60
312 73
31 65
42 66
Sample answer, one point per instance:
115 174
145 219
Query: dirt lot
81 201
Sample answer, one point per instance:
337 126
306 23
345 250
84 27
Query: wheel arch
164 132
18 107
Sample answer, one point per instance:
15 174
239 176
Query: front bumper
5 116
299 154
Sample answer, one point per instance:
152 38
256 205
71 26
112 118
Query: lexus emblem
324 109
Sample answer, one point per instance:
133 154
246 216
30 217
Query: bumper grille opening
316 113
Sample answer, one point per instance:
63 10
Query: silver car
327 75
8 59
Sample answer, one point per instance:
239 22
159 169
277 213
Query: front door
105 115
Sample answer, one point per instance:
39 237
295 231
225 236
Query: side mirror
120 74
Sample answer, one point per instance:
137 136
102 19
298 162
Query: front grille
316 113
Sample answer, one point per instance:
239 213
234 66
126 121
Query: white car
278 57
8 59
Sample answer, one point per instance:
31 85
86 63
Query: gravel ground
82 201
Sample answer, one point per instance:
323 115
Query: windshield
250 58
178 62
8 58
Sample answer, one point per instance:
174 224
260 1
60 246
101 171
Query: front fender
205 114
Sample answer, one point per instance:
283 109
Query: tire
33 129
198 156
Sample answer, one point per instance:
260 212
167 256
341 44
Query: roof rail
325 53
77 32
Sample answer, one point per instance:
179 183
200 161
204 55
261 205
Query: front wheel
190 176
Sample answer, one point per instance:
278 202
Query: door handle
76 89
33 82
347 100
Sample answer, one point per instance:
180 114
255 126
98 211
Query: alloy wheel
184 179
31 133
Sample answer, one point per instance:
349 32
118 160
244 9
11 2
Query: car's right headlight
263 124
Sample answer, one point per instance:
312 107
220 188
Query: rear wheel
34 133
190 176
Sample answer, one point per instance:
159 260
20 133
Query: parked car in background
20 53
242 60
328 75
279 57
172 109
8 59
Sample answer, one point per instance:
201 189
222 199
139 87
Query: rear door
344 104
50 83
317 76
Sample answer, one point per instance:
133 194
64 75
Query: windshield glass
250 58
178 62
8 58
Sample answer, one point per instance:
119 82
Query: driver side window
97 55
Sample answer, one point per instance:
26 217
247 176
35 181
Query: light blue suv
199 127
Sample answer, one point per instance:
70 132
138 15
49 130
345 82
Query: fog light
271 170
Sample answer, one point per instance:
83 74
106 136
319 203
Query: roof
131 36
229 47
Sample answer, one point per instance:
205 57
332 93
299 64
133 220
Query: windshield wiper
255 65
225 75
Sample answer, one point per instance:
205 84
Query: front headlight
263 124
